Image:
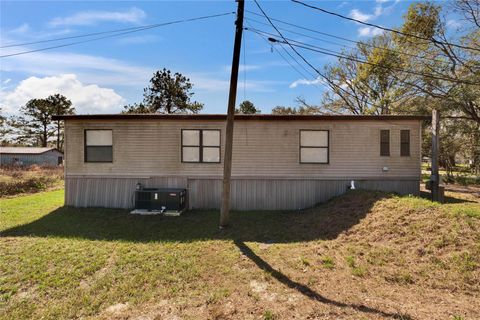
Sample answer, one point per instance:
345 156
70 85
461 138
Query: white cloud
369 31
25 33
149 38
86 98
454 24
84 18
298 82
358 15
6 81
378 11
242 68
21 29
91 69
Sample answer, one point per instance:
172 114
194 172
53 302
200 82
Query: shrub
15 180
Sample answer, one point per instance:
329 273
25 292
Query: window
405 143
98 146
201 145
384 143
314 146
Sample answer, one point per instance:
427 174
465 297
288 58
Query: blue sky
102 76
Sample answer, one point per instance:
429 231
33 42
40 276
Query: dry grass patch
16 180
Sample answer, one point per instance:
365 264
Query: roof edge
50 149
223 117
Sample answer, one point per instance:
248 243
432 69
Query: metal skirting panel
205 193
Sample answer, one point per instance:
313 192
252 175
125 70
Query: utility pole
227 159
435 177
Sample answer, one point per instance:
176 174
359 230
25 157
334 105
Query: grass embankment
17 180
361 256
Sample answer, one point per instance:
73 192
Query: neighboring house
26 156
279 161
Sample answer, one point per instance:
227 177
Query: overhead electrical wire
384 28
283 57
342 56
340 38
304 59
316 78
116 33
339 55
332 83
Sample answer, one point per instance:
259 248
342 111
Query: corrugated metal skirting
205 193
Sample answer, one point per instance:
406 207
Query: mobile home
279 161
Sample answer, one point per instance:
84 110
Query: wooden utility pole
227 159
435 177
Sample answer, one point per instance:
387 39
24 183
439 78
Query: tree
461 94
61 106
365 80
458 98
301 110
247 107
166 93
35 125
4 129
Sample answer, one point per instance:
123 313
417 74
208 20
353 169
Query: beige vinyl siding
261 148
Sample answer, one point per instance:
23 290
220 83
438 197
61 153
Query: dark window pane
99 154
384 142
405 143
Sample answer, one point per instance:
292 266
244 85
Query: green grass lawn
363 255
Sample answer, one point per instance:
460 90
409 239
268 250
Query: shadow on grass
308 292
448 199
323 222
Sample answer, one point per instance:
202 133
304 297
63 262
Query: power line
340 38
282 56
339 55
110 31
117 33
289 54
79 36
285 59
384 28
303 58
